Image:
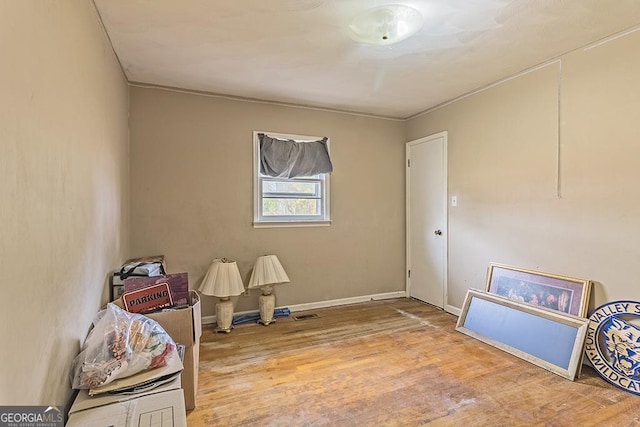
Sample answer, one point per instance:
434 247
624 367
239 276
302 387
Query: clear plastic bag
120 344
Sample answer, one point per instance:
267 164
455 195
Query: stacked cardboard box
163 405
184 325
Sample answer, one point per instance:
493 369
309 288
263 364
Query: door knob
438 232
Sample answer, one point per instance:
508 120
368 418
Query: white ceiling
299 51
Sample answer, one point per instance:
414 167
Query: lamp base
224 315
266 322
267 305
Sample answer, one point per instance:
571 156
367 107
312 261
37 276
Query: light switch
454 201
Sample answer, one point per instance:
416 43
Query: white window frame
261 221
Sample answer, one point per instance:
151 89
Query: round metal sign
613 344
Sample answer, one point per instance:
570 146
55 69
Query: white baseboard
453 310
206 320
209 320
346 301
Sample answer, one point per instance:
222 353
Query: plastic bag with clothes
120 344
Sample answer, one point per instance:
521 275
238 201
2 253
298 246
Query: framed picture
566 294
550 339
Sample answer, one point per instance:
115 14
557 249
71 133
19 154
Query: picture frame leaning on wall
547 338
557 292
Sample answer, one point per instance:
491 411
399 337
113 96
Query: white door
427 219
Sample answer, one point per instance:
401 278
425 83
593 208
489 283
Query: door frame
445 204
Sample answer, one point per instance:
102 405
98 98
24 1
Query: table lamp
223 281
267 272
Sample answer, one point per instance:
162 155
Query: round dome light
386 25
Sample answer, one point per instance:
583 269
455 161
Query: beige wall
503 145
64 189
191 195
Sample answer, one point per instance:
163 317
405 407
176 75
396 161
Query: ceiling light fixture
386 25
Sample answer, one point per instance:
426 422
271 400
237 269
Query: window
282 202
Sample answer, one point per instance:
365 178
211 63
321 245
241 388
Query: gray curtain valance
290 159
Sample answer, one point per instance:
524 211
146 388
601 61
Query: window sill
282 224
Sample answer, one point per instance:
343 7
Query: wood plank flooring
387 363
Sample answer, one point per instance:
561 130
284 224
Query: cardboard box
185 327
162 406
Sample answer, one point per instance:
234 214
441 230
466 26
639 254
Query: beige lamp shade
222 280
267 271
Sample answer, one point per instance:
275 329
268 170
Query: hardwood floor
387 363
